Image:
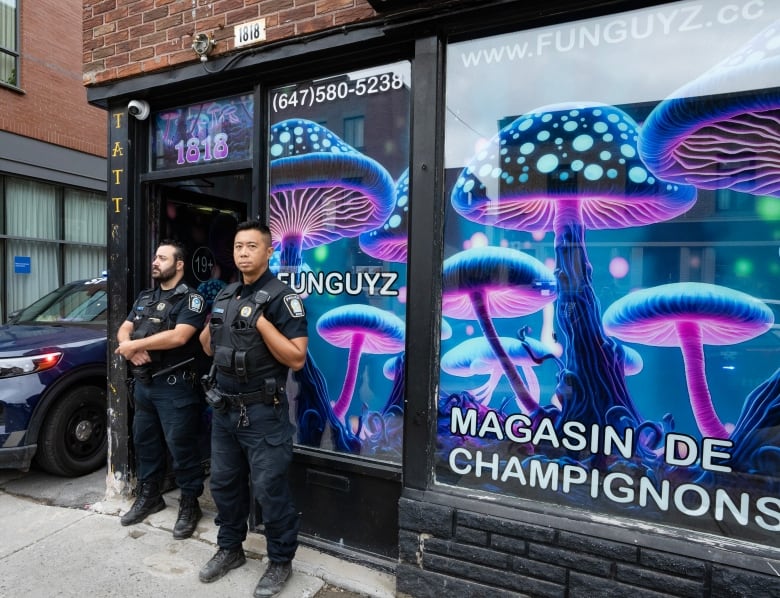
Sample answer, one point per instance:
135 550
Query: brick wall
125 38
53 106
447 550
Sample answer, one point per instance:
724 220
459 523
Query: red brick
130 44
269 6
180 20
355 15
129 21
237 17
102 7
315 24
155 13
325 6
104 52
142 30
225 6
141 54
115 38
297 14
153 38
68 26
167 23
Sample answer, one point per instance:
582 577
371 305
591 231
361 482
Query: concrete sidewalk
49 551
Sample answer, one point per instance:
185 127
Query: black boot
273 580
222 562
148 501
189 515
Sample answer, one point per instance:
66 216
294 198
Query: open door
203 214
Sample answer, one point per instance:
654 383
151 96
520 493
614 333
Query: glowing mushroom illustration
566 168
389 241
715 134
690 315
475 356
756 436
361 329
322 189
497 282
632 361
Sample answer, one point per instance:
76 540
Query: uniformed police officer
160 342
257 333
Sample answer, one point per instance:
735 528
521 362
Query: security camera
139 108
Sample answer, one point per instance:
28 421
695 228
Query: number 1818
215 148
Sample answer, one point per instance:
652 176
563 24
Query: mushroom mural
361 329
476 356
497 282
719 131
756 435
632 361
690 315
322 189
314 413
389 241
566 168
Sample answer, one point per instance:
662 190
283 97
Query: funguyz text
337 283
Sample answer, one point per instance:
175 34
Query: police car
53 381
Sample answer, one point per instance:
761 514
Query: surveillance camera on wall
139 108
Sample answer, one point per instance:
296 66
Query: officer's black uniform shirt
285 311
190 309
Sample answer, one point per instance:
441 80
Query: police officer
257 333
160 342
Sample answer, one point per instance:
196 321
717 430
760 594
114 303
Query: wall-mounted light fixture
203 44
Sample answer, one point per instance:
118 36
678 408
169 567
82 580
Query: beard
163 276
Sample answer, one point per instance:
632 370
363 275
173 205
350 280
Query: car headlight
32 364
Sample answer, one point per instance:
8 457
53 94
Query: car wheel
73 438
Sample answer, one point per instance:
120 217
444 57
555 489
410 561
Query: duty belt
249 398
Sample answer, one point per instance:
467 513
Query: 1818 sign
213 148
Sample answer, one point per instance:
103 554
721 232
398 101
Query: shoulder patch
294 306
196 303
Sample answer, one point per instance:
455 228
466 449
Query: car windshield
84 301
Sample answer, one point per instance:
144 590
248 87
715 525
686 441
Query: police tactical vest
153 316
239 351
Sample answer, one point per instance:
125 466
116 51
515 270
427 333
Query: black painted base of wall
452 546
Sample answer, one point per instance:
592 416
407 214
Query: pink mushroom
361 329
476 356
389 241
690 315
497 282
322 189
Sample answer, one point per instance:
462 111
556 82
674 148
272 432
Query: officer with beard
160 343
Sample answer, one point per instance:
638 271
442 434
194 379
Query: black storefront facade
537 243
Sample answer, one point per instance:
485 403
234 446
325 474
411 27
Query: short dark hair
179 250
258 226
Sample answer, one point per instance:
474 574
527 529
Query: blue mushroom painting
567 168
686 137
322 190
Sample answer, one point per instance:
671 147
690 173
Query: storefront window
214 132
338 174
9 45
611 273
85 229
42 249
